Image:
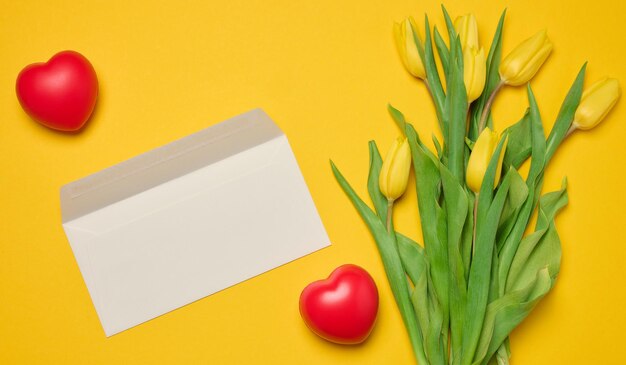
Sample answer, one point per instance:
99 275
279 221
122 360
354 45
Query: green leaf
398 117
428 182
379 200
538 153
468 234
493 79
547 253
387 247
502 355
520 144
425 303
534 182
505 313
480 270
456 202
518 193
532 275
432 75
402 123
456 112
413 257
432 81
442 50
494 285
534 254
550 204
437 147
449 24
493 295
526 247
566 114
436 341
416 266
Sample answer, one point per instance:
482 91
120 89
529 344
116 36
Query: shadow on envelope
188 219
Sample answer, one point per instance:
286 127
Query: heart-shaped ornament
61 93
342 308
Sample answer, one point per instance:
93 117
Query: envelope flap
166 163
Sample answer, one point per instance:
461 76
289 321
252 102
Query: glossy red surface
61 93
342 308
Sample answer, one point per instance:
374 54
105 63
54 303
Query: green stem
403 302
487 108
389 214
438 110
570 130
553 144
474 227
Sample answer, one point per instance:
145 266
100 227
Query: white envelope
188 219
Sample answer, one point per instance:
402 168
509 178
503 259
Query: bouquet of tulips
477 275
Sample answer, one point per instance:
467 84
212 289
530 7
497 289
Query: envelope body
188 219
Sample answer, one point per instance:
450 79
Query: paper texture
188 219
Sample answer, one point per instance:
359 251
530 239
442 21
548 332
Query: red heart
61 93
342 308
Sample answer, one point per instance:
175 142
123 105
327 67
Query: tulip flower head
394 173
405 34
525 60
467 29
596 102
474 72
482 153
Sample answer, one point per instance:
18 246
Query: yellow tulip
481 156
468 31
596 102
404 34
394 174
524 61
474 72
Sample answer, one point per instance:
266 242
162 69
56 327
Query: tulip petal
467 29
519 66
479 158
474 72
395 170
596 103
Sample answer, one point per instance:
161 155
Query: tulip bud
468 31
474 72
405 34
524 61
394 174
479 160
596 102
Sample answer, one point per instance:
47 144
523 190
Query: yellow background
324 70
